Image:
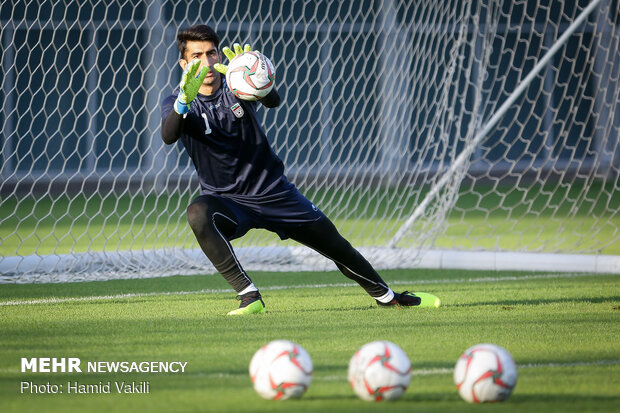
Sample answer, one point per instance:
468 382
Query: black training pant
214 225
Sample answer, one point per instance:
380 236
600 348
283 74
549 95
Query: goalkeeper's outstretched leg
324 238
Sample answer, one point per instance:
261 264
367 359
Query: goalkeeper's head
197 33
200 42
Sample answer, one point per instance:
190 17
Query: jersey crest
237 110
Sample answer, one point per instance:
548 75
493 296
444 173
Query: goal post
453 134
463 157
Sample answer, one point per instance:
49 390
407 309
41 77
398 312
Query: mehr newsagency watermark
75 365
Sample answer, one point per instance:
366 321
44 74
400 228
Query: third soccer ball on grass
281 370
379 371
250 76
485 373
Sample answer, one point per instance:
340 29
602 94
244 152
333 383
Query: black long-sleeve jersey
226 143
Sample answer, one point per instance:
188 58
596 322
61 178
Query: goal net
461 134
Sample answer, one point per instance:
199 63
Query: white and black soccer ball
281 370
485 373
250 76
379 371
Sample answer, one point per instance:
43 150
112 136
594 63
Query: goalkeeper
242 180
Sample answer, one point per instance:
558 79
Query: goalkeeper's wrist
181 107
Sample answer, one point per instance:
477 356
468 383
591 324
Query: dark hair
199 32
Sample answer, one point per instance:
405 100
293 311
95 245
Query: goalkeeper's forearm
272 100
172 127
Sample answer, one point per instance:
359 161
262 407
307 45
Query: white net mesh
379 99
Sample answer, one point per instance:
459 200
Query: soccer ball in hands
485 373
379 371
250 76
281 370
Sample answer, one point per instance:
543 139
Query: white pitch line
287 287
573 364
432 372
441 371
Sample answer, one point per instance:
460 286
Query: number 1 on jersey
207 127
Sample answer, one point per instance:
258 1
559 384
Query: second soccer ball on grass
485 373
379 371
281 370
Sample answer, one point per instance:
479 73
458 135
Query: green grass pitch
562 330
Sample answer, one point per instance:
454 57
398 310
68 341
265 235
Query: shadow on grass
323 309
583 300
351 396
408 397
517 399
569 399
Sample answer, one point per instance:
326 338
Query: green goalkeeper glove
231 55
189 86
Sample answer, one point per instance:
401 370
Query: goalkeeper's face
208 55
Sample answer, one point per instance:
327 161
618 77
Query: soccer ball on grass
281 370
250 76
485 373
379 371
